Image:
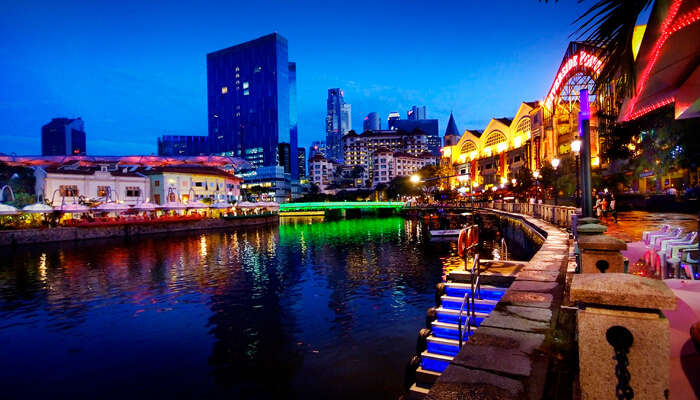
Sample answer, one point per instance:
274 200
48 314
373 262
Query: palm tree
609 25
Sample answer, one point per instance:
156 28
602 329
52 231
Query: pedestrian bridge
341 205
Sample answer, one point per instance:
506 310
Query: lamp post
584 124
555 165
576 148
536 175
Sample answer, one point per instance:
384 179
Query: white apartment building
70 182
359 148
387 165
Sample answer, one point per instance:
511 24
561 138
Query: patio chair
662 230
689 263
665 244
670 253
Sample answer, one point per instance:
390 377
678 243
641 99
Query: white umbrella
111 207
146 206
246 204
37 208
197 205
6 209
173 205
221 205
72 208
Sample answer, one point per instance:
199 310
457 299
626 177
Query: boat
445 233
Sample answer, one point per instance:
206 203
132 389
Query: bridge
320 208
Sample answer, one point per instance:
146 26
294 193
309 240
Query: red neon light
581 59
667 32
652 107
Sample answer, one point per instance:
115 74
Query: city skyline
140 91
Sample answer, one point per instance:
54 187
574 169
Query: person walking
604 207
597 207
613 207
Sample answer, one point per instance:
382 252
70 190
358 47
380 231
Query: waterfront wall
59 234
509 355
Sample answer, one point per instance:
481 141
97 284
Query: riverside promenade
509 355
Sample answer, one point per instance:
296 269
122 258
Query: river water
308 309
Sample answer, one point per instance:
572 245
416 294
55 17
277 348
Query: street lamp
555 165
536 175
415 179
576 148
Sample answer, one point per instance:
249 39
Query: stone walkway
507 357
685 360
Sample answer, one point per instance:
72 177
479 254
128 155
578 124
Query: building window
224 89
246 92
246 85
68 190
102 191
133 191
198 184
156 183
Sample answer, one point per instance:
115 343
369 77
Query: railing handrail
475 286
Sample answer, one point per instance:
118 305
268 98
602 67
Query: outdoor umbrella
37 208
246 204
221 205
111 207
72 208
146 207
174 205
6 209
197 205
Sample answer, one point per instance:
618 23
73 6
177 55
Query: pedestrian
597 207
604 207
613 207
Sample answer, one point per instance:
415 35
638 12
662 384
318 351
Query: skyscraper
248 93
301 162
337 124
372 122
393 117
63 137
293 126
416 113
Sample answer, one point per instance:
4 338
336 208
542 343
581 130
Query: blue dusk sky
134 70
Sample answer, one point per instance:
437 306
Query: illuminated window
224 89
68 190
524 127
468 147
246 85
102 191
495 137
156 183
246 92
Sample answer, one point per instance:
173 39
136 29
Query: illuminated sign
580 60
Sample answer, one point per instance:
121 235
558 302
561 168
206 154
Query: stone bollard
623 337
600 253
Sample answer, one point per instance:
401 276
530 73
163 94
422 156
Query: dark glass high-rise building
301 161
285 157
63 137
337 123
416 113
293 125
248 93
178 145
372 122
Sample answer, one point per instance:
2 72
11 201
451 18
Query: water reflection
304 310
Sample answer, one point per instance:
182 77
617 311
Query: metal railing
475 290
557 215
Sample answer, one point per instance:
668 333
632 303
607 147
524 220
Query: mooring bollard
623 337
601 253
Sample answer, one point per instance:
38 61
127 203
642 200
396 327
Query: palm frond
609 25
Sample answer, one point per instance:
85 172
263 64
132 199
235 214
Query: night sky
134 70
